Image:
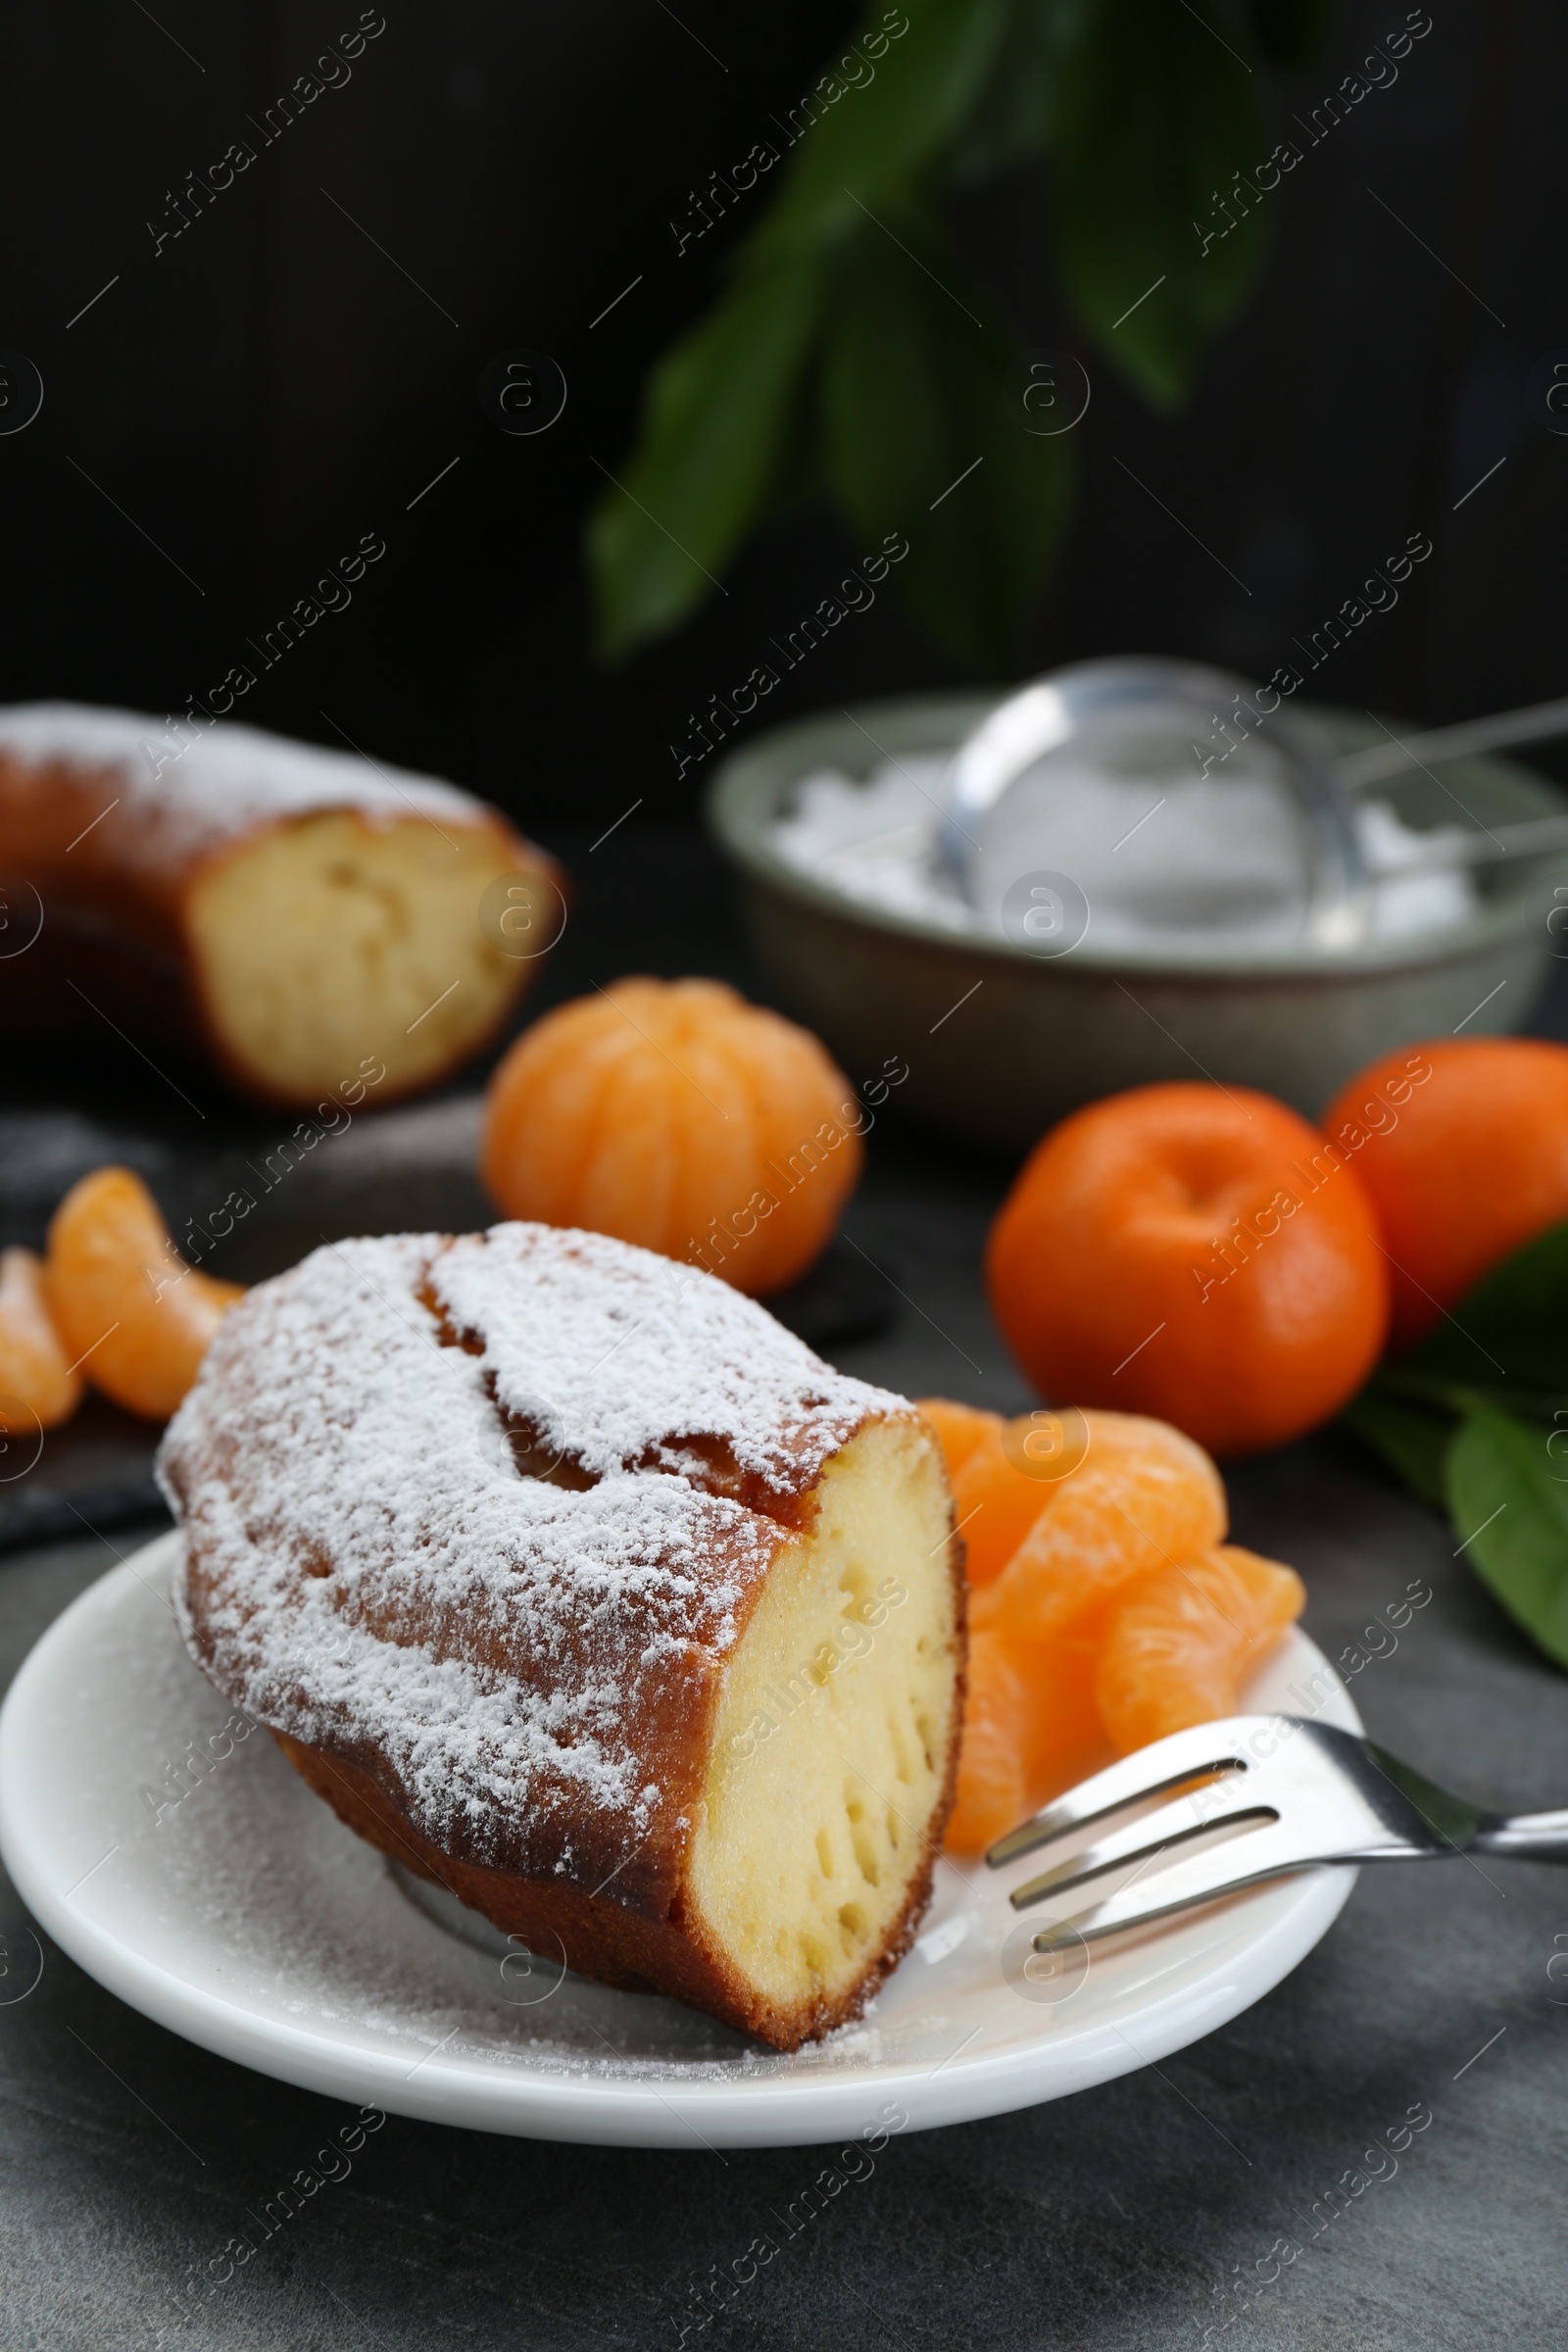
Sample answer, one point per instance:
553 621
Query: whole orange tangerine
676 1115
1192 1252
1464 1146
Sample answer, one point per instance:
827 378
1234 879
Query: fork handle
1525 1837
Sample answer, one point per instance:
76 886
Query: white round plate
247 1918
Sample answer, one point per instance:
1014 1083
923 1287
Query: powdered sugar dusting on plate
367 1571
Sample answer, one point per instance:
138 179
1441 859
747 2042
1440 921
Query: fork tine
1171 1825
1246 1862
1147 1772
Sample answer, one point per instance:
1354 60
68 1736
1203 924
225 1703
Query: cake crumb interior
834 1727
330 941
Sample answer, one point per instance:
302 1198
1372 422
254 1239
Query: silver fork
1292 1792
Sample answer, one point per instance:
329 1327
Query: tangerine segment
1064 1737
38 1383
1004 1476
996 1506
1179 1650
1144 1495
128 1309
960 1428
991 1787
1031 1728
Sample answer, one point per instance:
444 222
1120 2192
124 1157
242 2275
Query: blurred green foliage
852 359
1474 1418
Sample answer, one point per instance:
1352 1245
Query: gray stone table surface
1128 2216
1158 2213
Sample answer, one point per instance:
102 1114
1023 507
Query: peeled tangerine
1180 1650
961 1429
675 1114
1142 1495
127 1305
1106 1610
1030 1728
39 1387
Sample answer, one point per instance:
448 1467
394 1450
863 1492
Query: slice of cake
315 922
577 1583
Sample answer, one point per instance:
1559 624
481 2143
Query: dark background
271 385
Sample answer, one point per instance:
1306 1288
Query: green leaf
782 390
1508 1336
872 145
1156 115
918 438
1014 120
1413 1443
1509 1499
1290 32
717 420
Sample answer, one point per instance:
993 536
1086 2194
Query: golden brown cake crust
114 817
474 1528
602 1938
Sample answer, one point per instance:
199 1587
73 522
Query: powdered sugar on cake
612 1352
368 1571
201 783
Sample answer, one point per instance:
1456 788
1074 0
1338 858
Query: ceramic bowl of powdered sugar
1006 1017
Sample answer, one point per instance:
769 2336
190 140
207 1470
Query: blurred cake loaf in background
299 914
